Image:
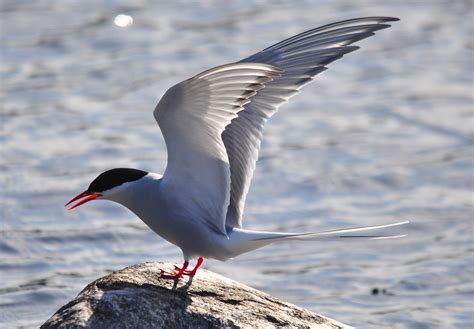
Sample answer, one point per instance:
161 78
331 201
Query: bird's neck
139 194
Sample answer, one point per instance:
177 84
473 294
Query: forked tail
245 240
353 232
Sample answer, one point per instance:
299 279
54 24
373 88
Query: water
386 134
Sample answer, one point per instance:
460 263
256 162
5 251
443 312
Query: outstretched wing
301 57
192 116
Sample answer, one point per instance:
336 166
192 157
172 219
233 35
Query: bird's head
110 185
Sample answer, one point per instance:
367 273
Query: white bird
212 124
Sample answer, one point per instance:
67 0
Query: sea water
385 135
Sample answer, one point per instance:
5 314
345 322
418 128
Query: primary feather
301 58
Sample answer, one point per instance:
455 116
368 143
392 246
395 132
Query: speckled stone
137 297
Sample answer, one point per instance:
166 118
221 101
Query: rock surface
137 297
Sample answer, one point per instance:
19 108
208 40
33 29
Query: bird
212 124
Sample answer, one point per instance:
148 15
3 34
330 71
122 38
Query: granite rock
137 297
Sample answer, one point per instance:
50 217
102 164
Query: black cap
115 177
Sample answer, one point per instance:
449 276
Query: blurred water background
386 134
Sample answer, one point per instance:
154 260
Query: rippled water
386 134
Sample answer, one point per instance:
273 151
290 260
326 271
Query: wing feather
192 116
301 58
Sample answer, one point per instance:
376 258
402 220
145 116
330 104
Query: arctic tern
212 125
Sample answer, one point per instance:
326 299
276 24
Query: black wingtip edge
381 19
391 19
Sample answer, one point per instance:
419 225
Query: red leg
175 275
193 271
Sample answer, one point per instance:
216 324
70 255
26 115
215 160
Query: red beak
85 196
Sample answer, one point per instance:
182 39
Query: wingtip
378 19
382 18
390 19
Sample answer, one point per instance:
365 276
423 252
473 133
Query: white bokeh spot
123 20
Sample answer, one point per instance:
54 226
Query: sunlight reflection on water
123 20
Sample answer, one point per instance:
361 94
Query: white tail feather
341 233
242 241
